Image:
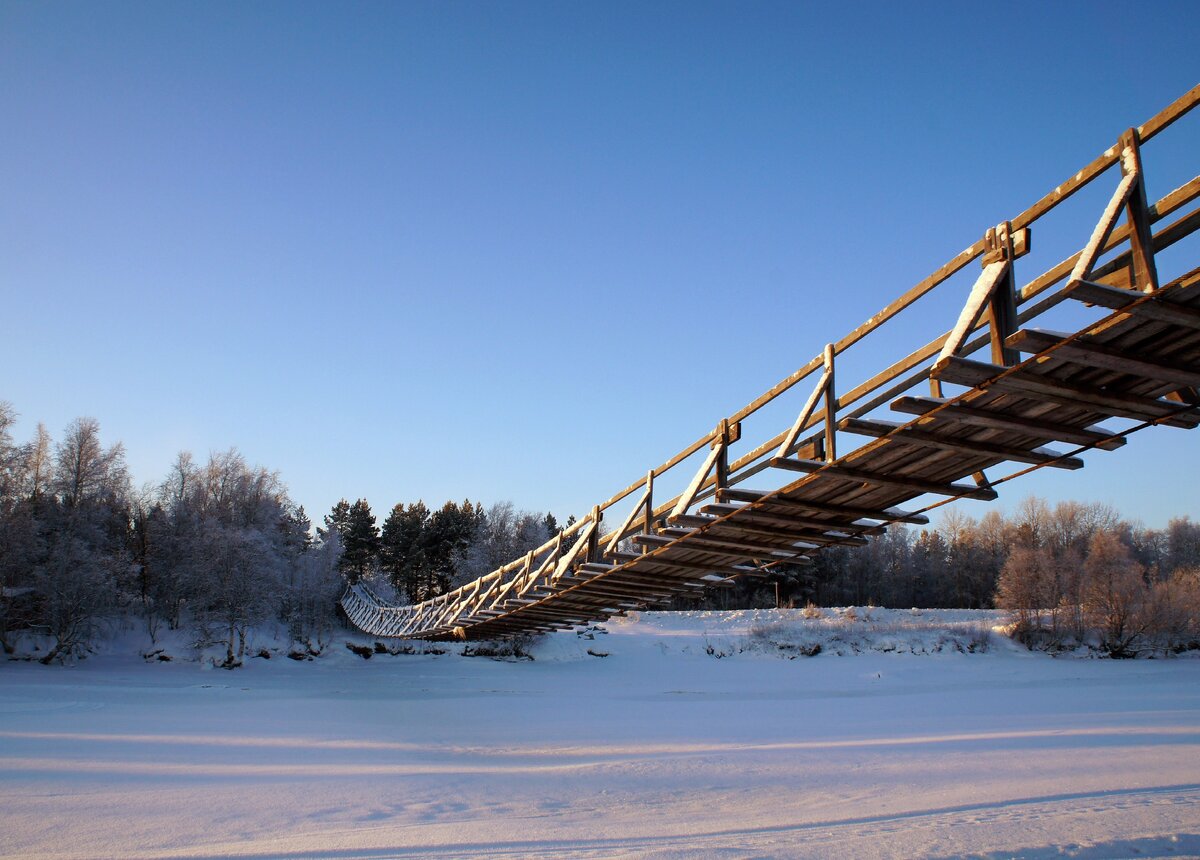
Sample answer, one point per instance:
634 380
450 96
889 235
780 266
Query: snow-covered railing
371 614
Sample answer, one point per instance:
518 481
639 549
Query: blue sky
525 251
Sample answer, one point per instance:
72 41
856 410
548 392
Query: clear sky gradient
527 250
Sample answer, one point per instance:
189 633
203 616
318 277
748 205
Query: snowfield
702 734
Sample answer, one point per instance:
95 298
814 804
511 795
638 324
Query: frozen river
659 749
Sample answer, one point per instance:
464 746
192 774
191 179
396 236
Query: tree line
1072 573
217 547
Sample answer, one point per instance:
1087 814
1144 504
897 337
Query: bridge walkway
1135 362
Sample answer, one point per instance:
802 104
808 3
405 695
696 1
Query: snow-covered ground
698 735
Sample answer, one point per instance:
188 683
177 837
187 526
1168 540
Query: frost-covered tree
82 555
236 585
224 540
86 472
1182 545
1114 594
315 583
1026 586
503 534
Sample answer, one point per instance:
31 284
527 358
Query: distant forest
218 547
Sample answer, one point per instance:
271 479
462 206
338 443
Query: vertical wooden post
1002 304
557 554
830 407
648 528
721 443
594 538
1141 243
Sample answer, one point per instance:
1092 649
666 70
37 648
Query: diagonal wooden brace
824 389
718 458
1137 210
646 503
994 293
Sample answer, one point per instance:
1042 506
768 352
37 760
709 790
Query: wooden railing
994 308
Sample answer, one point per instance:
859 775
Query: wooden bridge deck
1137 361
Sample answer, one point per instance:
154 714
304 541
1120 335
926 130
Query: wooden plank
842 523
964 371
800 532
912 436
1092 437
904 482
1095 354
673 564
722 543
756 531
718 544
1150 308
888 514
780 529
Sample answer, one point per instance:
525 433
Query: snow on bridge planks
1139 363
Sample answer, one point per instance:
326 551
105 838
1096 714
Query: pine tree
402 548
295 531
339 518
360 542
448 535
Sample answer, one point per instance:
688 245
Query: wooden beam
977 303
1156 309
644 502
785 447
800 531
830 406
685 499
1002 303
793 539
886 515
1104 227
1141 239
1091 437
1093 354
756 531
841 524
1026 383
717 545
923 438
672 564
903 482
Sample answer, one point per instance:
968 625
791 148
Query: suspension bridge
988 401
